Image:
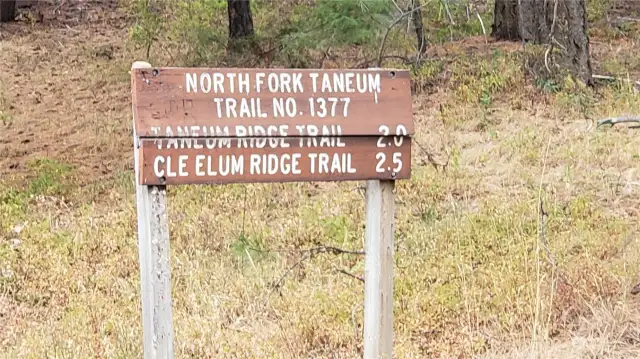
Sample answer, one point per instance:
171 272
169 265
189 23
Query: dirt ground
57 82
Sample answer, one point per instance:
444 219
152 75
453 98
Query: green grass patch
51 178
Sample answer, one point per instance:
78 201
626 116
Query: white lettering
291 107
199 165
323 163
313 157
156 166
169 172
231 77
278 107
272 164
336 166
349 77
348 161
361 84
244 108
241 131
230 104
195 133
205 82
243 83
297 83
259 81
210 170
312 130
285 82
224 169
218 81
254 164
237 165
286 167
374 83
326 83
182 164
295 158
338 82
272 82
326 141
218 101
314 83
191 82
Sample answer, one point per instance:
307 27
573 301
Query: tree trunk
536 18
577 42
7 10
240 20
505 20
418 26
547 21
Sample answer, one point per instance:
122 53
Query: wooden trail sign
170 102
201 125
217 126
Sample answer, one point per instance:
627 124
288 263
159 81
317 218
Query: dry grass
611 331
473 273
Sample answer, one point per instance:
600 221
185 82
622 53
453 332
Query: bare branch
397 6
310 253
611 78
386 34
431 158
353 319
280 282
332 250
365 63
484 30
351 275
551 36
615 120
626 18
446 9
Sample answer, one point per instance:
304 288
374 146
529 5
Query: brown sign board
204 102
273 159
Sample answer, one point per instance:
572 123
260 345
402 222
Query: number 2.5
397 160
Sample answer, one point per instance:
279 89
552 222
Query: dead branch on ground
350 275
310 253
615 120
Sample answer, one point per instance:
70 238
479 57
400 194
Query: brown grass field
480 271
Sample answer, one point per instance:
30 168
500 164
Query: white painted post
378 267
155 273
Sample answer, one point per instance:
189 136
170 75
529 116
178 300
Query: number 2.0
397 140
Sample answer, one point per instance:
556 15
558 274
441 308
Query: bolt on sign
214 126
